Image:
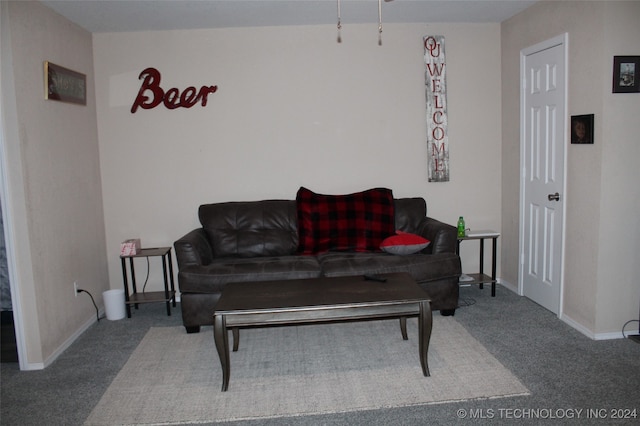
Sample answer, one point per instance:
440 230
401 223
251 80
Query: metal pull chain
339 24
379 22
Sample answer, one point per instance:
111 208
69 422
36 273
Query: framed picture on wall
63 84
582 129
626 74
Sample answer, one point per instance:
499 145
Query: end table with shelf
481 278
168 295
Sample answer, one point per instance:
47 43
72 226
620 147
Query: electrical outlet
75 288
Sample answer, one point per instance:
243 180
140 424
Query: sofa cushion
354 222
422 267
410 212
404 243
251 229
213 277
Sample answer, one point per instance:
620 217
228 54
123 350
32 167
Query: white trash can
114 304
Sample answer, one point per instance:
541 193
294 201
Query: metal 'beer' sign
436 93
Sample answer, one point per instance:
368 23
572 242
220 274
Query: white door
543 147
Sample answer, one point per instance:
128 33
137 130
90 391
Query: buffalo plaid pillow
354 222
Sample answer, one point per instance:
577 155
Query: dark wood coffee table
319 300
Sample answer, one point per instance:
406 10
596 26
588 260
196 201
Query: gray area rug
175 378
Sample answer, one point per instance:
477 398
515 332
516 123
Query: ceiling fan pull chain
339 39
379 22
339 24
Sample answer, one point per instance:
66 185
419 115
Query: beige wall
619 233
53 180
296 108
293 108
599 292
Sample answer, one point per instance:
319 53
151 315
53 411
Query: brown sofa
258 241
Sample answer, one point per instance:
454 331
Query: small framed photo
626 74
63 84
582 129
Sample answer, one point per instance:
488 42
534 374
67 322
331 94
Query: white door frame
11 265
9 132
562 40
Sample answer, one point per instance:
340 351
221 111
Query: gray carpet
562 369
175 378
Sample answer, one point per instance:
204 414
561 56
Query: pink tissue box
130 247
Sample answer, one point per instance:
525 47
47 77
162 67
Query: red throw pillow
354 222
404 243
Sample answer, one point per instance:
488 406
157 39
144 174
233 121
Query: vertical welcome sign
436 93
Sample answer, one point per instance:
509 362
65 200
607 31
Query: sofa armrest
443 236
193 249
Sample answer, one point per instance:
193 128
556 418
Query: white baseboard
508 285
65 345
590 334
571 322
30 366
609 336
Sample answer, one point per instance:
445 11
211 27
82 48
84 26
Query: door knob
555 196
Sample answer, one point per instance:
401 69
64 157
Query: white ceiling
148 15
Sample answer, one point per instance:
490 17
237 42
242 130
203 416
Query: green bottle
461 228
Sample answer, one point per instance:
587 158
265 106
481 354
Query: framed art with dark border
626 78
63 84
582 129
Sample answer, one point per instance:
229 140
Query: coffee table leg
403 328
236 338
221 338
425 322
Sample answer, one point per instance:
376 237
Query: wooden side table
480 278
169 293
